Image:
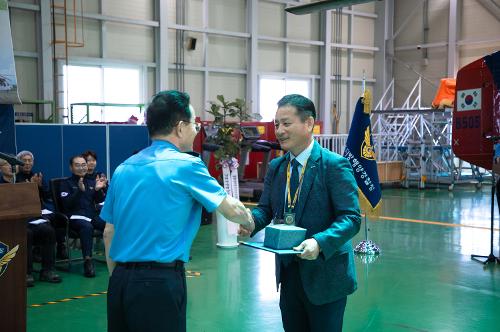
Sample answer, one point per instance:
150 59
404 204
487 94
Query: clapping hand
81 185
37 178
310 249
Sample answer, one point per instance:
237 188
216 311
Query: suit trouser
299 314
45 235
85 230
147 300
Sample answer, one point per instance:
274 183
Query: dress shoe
88 268
30 281
50 276
62 252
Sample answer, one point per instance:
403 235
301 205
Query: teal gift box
283 236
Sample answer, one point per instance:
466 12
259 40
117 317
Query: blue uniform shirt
154 202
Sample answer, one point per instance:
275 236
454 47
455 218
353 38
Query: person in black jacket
26 174
38 231
79 196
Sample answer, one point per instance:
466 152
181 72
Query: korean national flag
468 100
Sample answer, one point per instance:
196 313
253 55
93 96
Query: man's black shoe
88 268
30 281
50 276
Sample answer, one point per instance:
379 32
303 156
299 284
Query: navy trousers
299 314
85 230
147 300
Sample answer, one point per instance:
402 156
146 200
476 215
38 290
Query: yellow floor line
418 221
66 300
189 274
445 224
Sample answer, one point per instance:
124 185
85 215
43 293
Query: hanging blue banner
360 152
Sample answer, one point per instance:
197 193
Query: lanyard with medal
289 215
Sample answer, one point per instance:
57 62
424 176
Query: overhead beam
317 6
492 6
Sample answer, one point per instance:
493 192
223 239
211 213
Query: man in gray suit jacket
316 189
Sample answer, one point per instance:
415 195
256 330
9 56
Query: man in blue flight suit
313 188
152 213
80 196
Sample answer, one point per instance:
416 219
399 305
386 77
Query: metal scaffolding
420 137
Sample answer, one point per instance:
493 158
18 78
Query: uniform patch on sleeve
64 194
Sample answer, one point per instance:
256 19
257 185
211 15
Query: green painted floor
423 281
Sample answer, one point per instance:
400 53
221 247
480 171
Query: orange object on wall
445 95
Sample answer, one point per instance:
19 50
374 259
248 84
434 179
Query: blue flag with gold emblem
360 152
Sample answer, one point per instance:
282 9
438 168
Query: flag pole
367 248
366 227
363 83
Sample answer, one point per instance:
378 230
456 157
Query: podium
18 202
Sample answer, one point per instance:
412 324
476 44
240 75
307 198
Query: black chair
55 190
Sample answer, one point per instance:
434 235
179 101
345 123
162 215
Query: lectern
18 202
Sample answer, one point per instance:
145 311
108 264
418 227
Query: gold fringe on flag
366 207
367 101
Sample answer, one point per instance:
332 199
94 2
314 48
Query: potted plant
228 116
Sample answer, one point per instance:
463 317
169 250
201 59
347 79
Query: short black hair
71 159
88 153
305 106
166 110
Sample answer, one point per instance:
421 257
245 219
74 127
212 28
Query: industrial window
271 90
89 84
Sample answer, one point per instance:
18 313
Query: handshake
235 211
247 228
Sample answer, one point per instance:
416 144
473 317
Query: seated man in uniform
26 174
79 196
40 231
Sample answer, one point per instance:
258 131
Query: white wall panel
304 59
364 28
130 42
91 40
227 15
271 19
23 29
194 13
230 85
227 52
27 78
478 23
362 61
137 9
303 26
271 56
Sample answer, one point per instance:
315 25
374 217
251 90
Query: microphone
12 160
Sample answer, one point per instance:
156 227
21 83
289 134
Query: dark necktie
294 179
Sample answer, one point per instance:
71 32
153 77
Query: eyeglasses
197 126
80 166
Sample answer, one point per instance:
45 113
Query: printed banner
8 80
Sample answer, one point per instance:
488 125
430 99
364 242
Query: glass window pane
83 85
271 91
122 86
